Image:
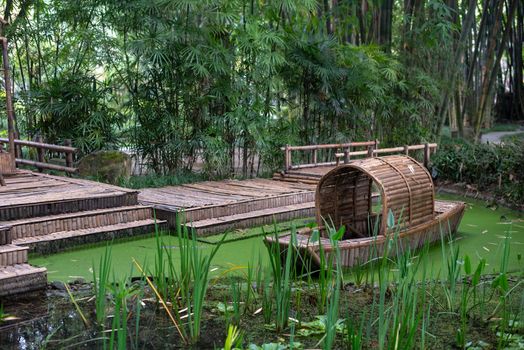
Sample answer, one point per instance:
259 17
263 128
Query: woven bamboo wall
344 194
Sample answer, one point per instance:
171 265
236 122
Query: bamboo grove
182 80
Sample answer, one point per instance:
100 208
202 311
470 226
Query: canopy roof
344 195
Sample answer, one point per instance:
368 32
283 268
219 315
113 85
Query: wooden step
296 178
241 207
5 234
21 278
46 225
252 218
35 208
11 255
59 241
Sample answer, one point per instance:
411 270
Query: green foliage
213 81
76 108
487 166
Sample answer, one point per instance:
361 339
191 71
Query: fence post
40 153
68 155
426 155
406 150
315 156
346 153
287 159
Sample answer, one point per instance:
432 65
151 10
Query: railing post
287 158
314 156
370 151
68 155
40 153
9 102
406 150
426 154
346 153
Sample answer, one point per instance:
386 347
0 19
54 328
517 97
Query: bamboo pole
40 152
46 165
9 101
48 146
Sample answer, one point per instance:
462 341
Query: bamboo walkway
309 176
46 214
216 206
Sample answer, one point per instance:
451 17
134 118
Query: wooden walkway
216 206
29 194
46 214
306 176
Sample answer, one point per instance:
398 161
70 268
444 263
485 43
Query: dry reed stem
161 300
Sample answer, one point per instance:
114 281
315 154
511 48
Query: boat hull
448 215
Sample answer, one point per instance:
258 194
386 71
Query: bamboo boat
406 211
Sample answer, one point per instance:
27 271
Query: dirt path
496 136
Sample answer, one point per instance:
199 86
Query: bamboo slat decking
215 206
307 175
46 214
29 194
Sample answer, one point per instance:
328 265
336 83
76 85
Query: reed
121 294
176 321
451 257
199 264
250 289
267 298
101 283
282 279
78 309
236 297
233 338
354 335
333 301
469 286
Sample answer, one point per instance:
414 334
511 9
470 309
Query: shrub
498 168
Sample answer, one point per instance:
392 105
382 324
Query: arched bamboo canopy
344 195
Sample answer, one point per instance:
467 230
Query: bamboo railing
41 148
345 152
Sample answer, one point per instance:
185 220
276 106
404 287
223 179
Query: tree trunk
493 65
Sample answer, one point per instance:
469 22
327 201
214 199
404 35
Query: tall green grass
282 278
100 284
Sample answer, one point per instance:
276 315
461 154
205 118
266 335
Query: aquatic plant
333 301
233 338
250 290
121 292
267 298
353 335
176 321
469 286
282 279
78 309
100 284
199 264
236 296
451 257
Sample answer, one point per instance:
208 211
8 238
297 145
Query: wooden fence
346 151
41 148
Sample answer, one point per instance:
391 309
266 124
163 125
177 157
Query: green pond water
481 234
